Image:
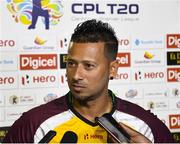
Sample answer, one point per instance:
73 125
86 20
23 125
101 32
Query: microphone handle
47 138
113 128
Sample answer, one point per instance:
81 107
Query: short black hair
97 31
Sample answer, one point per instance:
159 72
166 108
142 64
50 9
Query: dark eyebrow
70 59
84 61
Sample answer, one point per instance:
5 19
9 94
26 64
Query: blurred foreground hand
135 137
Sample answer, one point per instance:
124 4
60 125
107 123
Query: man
91 63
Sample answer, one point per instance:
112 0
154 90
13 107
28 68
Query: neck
94 108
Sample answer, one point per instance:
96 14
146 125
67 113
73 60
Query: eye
89 66
70 64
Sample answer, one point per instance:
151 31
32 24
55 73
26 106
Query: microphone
69 137
48 137
113 128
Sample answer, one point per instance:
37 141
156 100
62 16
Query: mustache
78 82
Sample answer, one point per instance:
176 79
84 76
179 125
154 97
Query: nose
78 74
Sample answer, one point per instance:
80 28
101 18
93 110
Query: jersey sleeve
22 131
160 131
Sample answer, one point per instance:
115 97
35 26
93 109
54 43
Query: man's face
87 70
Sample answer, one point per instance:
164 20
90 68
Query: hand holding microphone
113 128
135 136
120 132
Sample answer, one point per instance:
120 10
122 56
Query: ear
113 69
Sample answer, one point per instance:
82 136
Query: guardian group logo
27 12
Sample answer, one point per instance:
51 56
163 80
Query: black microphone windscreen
113 128
69 137
48 137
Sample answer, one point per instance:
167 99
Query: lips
78 87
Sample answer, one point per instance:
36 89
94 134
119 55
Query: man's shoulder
126 105
156 125
23 129
48 109
133 109
39 114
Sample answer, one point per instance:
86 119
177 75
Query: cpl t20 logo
27 12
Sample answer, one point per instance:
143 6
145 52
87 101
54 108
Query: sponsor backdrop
33 50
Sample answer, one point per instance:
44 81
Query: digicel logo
124 59
173 40
173 74
38 61
174 121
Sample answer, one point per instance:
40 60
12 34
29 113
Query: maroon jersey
59 115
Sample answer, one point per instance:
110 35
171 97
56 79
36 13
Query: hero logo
111 8
38 79
63 79
174 121
6 80
123 42
5 43
38 61
148 75
63 43
173 40
122 76
124 59
173 74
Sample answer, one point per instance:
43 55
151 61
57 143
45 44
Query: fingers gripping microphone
69 137
48 137
113 128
